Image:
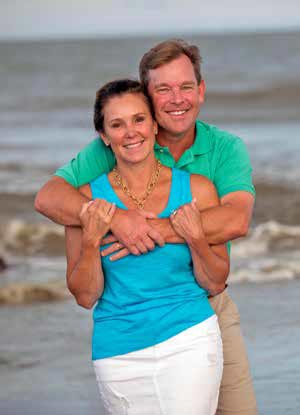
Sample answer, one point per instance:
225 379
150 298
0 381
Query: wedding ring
174 212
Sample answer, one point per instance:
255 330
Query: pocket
114 402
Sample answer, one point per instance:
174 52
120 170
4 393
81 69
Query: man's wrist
165 228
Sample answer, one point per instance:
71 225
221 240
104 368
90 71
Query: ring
174 212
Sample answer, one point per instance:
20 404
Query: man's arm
230 220
60 202
232 178
59 198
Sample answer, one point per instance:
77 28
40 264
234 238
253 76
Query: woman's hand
95 218
186 221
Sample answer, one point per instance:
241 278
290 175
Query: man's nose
176 96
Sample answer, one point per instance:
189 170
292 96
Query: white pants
180 376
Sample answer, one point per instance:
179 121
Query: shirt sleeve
234 171
92 161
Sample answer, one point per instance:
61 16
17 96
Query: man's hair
113 89
166 52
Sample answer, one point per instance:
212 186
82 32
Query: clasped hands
131 229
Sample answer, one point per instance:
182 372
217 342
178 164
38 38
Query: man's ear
201 89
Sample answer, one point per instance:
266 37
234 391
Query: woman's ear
105 139
155 128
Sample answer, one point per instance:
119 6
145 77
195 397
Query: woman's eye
140 119
115 125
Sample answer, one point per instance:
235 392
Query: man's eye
115 125
163 90
187 87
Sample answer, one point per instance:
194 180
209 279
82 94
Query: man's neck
177 144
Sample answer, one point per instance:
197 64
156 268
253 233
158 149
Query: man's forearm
165 228
221 224
224 223
60 202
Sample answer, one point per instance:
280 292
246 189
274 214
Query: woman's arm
211 263
85 277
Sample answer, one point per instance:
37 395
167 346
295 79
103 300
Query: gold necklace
140 202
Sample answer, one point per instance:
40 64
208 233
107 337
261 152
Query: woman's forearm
86 281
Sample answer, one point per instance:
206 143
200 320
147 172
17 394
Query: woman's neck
137 175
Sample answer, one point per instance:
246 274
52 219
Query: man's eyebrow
161 85
164 84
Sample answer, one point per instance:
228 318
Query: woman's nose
130 131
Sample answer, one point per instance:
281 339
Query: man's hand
131 234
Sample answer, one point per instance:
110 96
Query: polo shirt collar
201 145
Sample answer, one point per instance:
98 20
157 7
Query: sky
21 19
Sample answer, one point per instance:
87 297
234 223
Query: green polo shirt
216 154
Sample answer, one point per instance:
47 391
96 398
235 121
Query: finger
194 204
149 244
109 239
121 254
84 208
156 237
147 214
141 247
112 248
133 250
111 210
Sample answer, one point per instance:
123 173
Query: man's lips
177 113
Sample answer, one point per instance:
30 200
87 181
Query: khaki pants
236 393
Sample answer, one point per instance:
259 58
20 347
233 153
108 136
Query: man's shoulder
217 136
94 145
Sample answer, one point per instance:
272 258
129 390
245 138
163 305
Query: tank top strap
181 192
101 188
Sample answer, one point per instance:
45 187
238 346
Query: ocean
46 110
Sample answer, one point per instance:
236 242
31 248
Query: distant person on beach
156 340
170 73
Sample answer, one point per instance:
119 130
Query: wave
287 90
31 292
34 254
20 237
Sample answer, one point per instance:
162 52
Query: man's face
176 96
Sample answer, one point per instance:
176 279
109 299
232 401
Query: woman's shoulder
204 191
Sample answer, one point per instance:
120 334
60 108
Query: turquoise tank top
148 298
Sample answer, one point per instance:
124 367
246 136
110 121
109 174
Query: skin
172 87
130 130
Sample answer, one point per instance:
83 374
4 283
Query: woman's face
129 127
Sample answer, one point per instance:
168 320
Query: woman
156 344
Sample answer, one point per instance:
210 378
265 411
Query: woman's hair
165 52
114 89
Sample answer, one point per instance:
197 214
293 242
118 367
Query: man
170 73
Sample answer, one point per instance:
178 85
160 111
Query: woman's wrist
90 243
